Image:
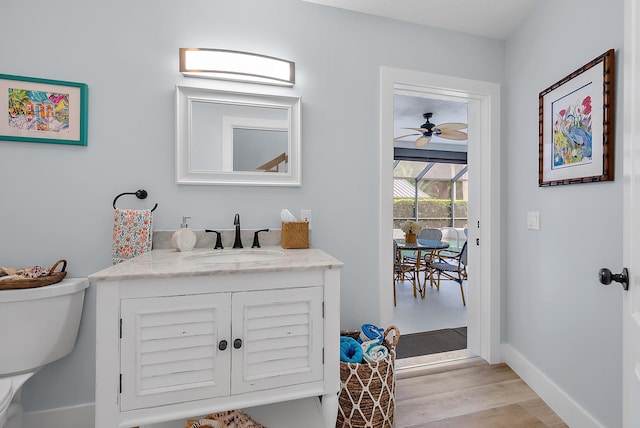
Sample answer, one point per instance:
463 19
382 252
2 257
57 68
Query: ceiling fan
450 131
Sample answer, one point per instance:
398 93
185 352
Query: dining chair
455 269
430 233
427 234
401 268
453 236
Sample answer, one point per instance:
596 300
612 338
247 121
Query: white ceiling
490 18
407 113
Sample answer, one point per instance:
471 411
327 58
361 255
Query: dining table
421 248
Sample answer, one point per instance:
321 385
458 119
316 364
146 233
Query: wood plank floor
469 393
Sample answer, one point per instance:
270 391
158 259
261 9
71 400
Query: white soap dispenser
183 239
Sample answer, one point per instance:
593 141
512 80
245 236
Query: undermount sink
236 256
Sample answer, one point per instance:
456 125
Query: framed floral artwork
42 110
576 125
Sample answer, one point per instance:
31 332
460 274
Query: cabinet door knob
222 345
237 344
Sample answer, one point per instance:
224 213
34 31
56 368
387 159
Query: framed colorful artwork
43 111
576 125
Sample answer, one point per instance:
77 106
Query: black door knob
222 345
237 344
606 277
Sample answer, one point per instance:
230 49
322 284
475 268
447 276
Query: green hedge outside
431 212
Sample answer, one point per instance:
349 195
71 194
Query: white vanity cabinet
184 348
172 346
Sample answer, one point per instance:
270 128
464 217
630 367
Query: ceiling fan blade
403 136
422 141
420 130
451 126
454 135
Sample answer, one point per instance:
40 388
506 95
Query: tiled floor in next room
438 310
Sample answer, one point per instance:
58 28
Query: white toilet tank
39 325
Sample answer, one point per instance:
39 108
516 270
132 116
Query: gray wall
56 199
558 316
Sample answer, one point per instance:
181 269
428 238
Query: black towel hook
140 194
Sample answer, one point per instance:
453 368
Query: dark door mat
431 342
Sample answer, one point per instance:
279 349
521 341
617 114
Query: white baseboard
80 416
559 401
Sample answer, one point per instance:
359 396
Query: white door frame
483 98
631 207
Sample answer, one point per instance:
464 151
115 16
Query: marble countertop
168 263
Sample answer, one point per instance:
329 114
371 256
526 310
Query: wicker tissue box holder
295 234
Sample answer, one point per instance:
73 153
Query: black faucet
256 242
238 241
218 239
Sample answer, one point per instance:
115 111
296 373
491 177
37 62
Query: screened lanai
430 179
435 194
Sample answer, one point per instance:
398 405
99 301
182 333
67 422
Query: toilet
37 326
6 394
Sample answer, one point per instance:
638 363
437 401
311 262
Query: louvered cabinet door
170 349
282 335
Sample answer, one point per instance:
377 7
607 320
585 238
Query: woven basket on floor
228 419
367 390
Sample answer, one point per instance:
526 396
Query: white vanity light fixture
236 65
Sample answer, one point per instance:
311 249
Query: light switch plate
533 220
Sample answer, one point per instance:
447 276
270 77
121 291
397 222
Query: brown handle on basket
53 268
396 335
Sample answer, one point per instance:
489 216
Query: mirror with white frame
237 138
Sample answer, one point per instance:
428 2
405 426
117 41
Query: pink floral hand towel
132 232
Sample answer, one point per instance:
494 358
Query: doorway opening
482 99
430 188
